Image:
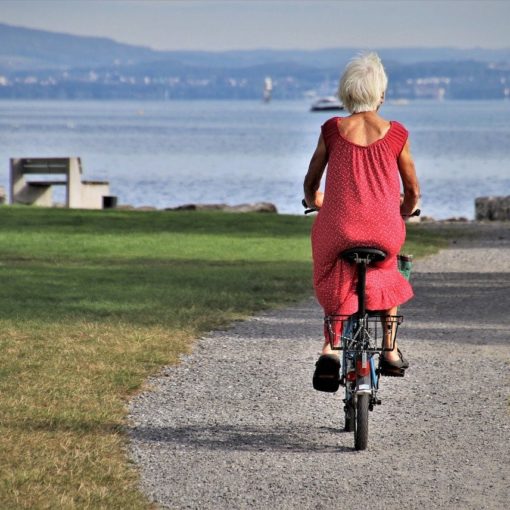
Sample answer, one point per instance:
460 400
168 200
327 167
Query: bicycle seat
360 252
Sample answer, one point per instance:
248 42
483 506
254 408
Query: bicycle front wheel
361 432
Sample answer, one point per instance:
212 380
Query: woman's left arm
313 177
409 181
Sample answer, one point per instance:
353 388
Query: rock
266 207
3 196
456 219
427 219
198 207
492 208
146 208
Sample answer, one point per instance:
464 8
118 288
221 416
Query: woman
366 157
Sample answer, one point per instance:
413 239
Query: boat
268 89
325 104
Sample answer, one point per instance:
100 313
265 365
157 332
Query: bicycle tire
361 432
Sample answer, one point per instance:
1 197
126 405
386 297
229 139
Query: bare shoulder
381 122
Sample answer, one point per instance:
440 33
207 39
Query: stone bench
80 194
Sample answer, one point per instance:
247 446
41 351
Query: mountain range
41 64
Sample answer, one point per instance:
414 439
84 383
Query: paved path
224 432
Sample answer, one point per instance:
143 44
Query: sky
280 24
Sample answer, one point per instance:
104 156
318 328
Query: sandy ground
224 430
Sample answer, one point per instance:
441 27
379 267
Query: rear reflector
362 369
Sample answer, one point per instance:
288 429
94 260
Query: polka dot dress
361 208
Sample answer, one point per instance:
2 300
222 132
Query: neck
364 114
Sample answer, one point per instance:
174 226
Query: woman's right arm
313 177
409 181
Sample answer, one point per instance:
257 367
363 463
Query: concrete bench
79 194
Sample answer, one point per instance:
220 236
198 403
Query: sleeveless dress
361 208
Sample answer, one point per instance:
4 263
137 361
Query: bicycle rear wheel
361 432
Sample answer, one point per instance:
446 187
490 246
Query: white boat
324 104
268 89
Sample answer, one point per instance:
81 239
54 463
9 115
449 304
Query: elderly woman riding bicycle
368 159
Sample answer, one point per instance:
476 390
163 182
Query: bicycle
362 337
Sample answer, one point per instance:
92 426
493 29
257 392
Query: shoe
394 368
327 373
400 363
405 363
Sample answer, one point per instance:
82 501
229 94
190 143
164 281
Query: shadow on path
240 438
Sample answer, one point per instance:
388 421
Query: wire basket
345 332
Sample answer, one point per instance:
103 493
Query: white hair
363 83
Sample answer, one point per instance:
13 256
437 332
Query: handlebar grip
308 210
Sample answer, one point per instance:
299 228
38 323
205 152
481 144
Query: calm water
170 153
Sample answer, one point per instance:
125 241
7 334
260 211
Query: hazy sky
248 24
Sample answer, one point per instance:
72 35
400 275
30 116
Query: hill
26 49
36 64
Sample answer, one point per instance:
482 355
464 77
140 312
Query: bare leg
389 334
326 348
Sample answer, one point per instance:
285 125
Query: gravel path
221 431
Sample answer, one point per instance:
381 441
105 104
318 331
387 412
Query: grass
92 303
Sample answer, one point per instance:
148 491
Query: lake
165 154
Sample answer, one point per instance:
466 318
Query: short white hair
363 83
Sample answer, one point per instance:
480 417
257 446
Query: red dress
361 208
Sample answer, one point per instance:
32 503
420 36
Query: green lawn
92 303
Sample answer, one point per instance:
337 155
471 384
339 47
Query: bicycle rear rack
354 334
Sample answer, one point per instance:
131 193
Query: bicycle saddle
371 254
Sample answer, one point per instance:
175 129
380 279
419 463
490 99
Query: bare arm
313 177
409 181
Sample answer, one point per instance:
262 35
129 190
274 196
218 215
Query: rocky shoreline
258 207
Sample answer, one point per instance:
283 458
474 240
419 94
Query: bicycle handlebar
416 212
308 210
